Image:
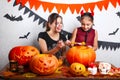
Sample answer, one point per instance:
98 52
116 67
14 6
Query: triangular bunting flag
118 2
31 14
14 4
36 17
44 24
86 7
26 10
92 6
44 5
41 20
105 4
72 8
23 2
18 2
32 3
107 47
113 3
99 5
111 47
37 5
64 8
50 7
20 7
78 8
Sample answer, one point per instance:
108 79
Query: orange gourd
81 54
23 54
44 64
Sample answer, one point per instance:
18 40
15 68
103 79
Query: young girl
86 33
52 41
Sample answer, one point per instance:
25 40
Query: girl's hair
87 14
51 19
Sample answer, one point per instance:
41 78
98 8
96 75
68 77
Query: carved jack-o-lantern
77 69
44 64
23 54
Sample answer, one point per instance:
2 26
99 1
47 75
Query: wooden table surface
6 74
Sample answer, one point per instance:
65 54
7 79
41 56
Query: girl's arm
95 45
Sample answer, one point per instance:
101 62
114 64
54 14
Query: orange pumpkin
81 54
23 54
44 64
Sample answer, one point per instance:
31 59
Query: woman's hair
52 17
87 14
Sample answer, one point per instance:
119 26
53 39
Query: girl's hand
90 46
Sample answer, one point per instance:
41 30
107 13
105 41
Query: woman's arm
72 39
73 36
44 49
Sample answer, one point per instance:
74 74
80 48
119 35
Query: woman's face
56 26
86 23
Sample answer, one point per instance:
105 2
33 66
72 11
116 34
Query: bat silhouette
25 36
13 18
114 32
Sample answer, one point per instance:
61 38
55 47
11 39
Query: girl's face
86 23
56 26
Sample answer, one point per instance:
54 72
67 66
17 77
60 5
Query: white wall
105 22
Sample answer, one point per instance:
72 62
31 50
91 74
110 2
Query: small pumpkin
23 54
77 69
44 64
81 54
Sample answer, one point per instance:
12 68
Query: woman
52 41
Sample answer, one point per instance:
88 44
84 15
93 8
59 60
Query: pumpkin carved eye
75 68
23 50
33 50
80 68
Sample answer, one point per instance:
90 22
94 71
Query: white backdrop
106 21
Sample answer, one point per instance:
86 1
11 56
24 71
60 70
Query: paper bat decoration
25 36
114 32
118 14
13 18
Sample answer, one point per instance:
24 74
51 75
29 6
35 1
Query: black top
50 42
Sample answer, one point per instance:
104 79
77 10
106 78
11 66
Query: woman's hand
68 43
60 44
